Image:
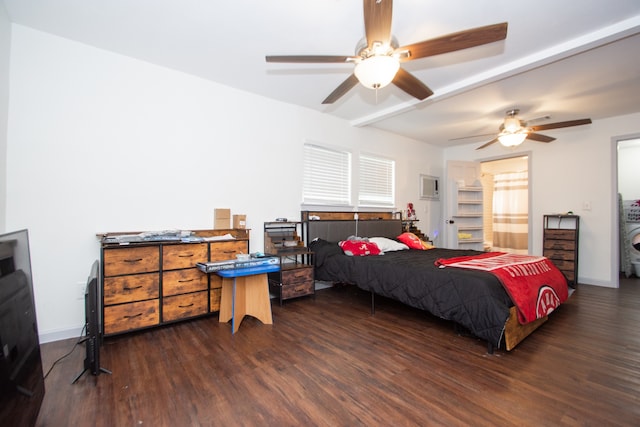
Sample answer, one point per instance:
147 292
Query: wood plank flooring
328 362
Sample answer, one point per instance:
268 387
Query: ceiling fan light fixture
511 124
376 72
512 139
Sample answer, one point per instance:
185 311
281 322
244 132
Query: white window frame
326 176
377 181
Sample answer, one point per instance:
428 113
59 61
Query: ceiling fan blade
561 125
377 21
539 137
344 87
456 41
487 144
410 84
472 136
310 58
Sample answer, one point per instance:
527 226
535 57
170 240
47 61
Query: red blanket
534 284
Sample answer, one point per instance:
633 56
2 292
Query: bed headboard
336 226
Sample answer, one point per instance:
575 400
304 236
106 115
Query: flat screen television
21 379
93 323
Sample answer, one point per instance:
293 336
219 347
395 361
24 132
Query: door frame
614 250
529 155
529 193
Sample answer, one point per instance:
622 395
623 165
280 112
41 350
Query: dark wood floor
328 362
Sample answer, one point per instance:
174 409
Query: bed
473 300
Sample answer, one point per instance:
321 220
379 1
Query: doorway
505 184
628 158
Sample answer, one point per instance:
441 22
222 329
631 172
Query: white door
458 171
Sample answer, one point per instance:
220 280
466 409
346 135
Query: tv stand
86 368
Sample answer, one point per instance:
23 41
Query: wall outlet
586 206
80 289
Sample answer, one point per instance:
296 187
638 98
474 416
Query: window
327 176
376 182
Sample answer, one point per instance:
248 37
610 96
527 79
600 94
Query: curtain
510 212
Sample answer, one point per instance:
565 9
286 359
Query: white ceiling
565 59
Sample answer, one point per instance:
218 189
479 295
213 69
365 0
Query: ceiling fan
513 131
378 57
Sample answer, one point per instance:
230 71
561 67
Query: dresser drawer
135 287
559 234
559 254
297 290
569 274
215 295
183 281
127 317
131 260
183 256
567 245
564 265
221 251
298 275
183 306
215 281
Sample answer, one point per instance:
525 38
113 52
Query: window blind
377 181
327 176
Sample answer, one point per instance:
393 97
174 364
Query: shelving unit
467 214
409 225
295 278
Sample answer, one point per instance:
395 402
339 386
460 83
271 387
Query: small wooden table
245 291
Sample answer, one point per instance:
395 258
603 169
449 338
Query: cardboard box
240 221
221 219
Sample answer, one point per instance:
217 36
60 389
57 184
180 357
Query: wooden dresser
560 244
151 283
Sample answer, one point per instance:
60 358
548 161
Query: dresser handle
131 317
133 260
185 281
185 306
131 289
185 256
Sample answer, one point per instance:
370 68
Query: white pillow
388 245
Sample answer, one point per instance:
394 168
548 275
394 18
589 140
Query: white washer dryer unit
632 217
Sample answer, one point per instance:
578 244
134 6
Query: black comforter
473 299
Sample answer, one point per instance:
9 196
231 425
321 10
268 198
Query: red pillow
359 248
411 240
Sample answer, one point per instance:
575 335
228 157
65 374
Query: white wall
100 142
5 49
577 167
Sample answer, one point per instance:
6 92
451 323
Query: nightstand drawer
298 275
135 287
183 306
221 251
183 256
127 317
131 260
297 290
183 281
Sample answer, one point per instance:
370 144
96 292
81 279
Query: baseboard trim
60 335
